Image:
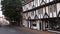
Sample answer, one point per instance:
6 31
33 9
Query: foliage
12 9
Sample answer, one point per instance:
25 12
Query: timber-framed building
41 14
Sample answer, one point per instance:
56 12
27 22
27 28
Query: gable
43 2
36 17
45 15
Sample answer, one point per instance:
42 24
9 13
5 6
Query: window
36 3
38 11
32 4
40 1
52 8
34 24
29 4
41 11
26 14
27 8
32 13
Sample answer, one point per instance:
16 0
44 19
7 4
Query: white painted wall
26 16
58 7
51 0
47 10
38 14
38 28
25 23
36 4
43 11
41 15
47 1
43 25
54 14
50 15
24 8
29 24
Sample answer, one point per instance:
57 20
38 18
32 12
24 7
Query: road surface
11 30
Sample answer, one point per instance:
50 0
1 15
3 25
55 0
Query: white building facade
41 14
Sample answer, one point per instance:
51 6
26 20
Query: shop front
51 24
54 24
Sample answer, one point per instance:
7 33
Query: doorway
40 26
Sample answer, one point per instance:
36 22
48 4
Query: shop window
34 24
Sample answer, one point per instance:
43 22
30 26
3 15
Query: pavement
34 31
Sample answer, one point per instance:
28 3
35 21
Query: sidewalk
34 31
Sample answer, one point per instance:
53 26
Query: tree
12 10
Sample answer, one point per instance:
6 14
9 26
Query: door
40 26
28 24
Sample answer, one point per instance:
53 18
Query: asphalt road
11 30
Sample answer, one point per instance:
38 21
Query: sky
0 9
0 0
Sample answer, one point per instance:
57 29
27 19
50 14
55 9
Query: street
11 30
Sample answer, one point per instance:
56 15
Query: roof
26 2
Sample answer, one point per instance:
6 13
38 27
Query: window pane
34 24
55 7
38 11
41 11
32 13
50 8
